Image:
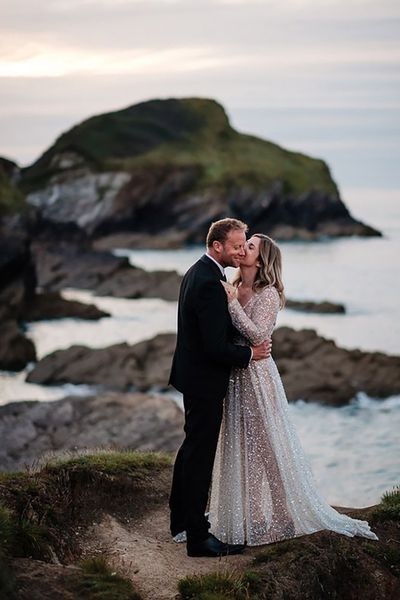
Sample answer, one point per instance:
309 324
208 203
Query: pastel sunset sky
272 64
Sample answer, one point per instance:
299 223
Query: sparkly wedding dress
262 488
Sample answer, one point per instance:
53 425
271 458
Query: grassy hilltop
182 132
103 515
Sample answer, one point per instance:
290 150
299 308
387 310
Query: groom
203 358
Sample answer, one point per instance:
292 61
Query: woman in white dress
262 489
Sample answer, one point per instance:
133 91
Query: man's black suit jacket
205 352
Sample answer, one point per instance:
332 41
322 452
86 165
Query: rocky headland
156 174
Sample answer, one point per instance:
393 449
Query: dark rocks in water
143 365
165 169
51 305
135 421
101 272
325 306
312 368
17 288
16 351
316 370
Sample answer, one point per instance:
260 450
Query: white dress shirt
221 268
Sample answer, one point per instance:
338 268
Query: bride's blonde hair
269 273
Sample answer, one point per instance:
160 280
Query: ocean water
353 450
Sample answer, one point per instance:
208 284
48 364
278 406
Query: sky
321 77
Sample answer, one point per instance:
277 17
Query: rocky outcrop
144 365
51 305
105 274
17 288
312 368
16 351
309 306
163 170
135 421
316 370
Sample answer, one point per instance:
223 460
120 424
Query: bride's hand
231 290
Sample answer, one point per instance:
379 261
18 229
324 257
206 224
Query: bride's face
252 252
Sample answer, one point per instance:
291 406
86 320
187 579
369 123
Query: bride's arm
259 329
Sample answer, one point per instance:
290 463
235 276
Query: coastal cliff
157 173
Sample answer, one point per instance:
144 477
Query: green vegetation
11 199
96 581
40 510
387 554
389 508
41 507
225 585
173 133
276 550
135 464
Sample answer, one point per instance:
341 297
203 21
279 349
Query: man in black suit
203 358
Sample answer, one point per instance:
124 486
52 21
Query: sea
354 450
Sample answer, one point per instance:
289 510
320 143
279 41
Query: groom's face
232 250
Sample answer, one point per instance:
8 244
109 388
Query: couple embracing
241 459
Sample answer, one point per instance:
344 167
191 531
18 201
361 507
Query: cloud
63 60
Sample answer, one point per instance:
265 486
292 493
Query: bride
262 489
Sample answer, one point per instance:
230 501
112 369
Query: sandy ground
144 552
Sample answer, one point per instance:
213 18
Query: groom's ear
217 246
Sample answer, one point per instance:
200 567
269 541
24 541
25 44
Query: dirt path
145 553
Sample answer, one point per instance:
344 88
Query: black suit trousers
194 465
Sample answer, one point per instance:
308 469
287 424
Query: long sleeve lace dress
262 488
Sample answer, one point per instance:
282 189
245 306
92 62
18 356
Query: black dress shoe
213 547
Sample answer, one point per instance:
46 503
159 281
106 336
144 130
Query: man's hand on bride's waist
262 351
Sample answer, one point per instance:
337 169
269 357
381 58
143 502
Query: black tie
224 277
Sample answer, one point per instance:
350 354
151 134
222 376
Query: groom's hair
219 230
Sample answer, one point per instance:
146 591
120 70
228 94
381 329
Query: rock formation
162 170
139 421
71 266
312 368
309 306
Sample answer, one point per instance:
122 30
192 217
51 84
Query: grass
97 581
11 199
227 585
387 554
40 508
135 464
275 551
389 507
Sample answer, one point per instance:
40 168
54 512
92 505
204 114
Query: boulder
17 288
107 275
122 421
142 366
16 351
317 370
51 305
309 306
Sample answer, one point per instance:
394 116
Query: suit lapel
212 266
